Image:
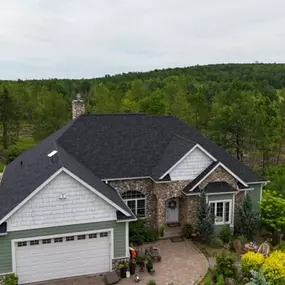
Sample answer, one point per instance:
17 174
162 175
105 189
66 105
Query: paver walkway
181 264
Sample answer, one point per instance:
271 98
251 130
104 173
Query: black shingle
96 147
219 187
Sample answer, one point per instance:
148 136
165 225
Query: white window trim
136 206
230 211
14 242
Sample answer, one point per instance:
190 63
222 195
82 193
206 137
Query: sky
92 38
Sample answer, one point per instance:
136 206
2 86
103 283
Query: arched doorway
172 211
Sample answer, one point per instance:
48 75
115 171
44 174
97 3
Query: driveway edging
205 259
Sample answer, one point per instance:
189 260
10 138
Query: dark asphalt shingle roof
174 151
219 187
96 147
19 181
215 187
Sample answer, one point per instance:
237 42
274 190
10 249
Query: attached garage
55 257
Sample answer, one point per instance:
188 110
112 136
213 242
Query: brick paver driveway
181 264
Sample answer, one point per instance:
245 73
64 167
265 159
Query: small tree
273 211
206 219
246 221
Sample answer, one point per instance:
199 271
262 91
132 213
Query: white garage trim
14 241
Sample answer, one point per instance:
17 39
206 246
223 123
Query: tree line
239 106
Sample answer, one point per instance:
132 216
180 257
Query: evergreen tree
206 218
246 221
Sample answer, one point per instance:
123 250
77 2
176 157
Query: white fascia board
29 197
183 157
235 176
96 192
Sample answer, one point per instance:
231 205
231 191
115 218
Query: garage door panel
56 260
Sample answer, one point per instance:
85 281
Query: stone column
160 212
78 107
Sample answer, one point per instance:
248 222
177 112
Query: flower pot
123 272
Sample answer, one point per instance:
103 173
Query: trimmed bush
225 234
225 266
217 243
151 282
274 268
187 230
221 280
281 246
140 233
10 279
252 261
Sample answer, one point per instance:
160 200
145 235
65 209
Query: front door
172 211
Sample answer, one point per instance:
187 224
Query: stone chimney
78 107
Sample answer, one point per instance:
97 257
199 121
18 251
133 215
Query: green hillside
240 106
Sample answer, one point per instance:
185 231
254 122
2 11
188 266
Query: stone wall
156 196
220 174
145 186
188 209
165 191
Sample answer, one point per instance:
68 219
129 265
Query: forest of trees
239 106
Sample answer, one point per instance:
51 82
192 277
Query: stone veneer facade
158 193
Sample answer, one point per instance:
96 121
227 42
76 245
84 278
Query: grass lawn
2 166
26 142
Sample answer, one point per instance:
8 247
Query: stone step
171 232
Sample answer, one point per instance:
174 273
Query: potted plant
132 267
149 265
140 260
162 230
123 270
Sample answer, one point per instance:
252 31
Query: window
221 211
105 234
69 238
92 235
81 237
136 202
46 241
22 243
34 242
58 240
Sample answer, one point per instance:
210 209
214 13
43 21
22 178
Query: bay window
221 211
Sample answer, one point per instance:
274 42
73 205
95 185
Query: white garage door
60 257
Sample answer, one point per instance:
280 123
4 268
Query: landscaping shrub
225 266
258 279
252 261
12 153
10 279
208 280
140 233
225 234
281 246
206 219
151 282
246 220
221 280
216 243
187 230
274 268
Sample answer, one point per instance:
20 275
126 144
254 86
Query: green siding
213 198
5 241
255 196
